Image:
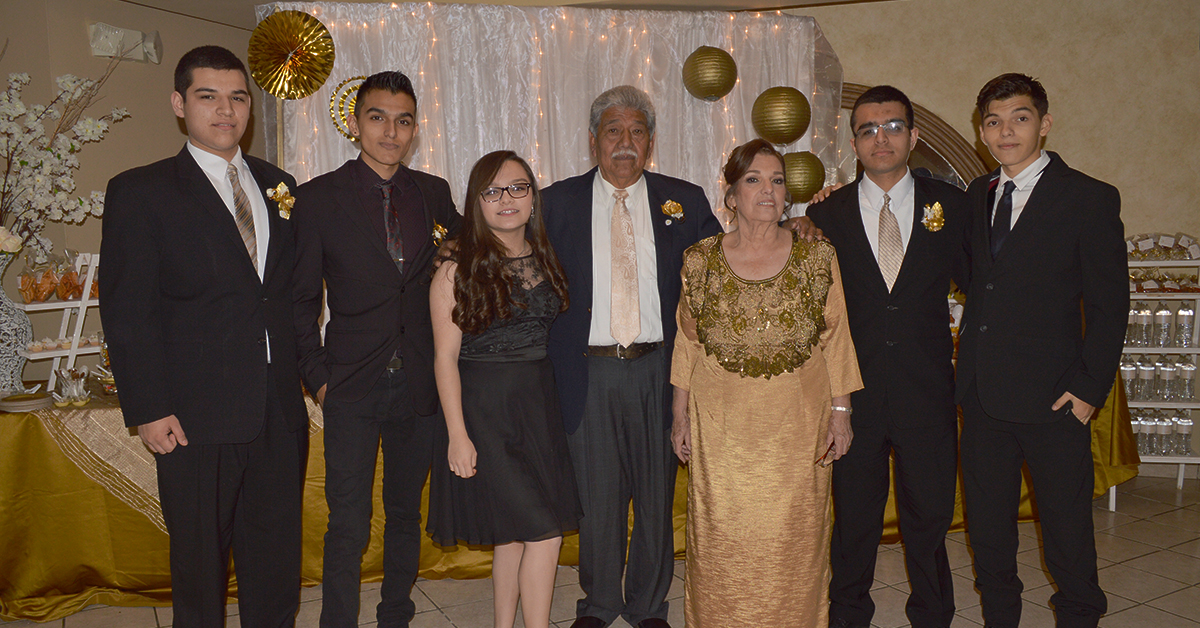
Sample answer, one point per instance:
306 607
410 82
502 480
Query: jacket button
262 341
983 328
264 299
891 343
989 286
892 308
401 289
402 329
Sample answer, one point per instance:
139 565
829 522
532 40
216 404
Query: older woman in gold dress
763 370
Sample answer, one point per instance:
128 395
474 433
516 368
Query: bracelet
842 409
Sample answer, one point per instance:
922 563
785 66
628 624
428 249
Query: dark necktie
391 221
1002 223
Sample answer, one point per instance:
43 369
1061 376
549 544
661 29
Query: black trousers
353 434
926 461
622 454
246 497
1059 457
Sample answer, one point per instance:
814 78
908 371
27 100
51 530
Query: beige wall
1123 78
48 38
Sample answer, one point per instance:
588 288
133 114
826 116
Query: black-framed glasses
892 128
516 190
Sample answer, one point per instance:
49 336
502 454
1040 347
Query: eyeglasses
892 128
516 190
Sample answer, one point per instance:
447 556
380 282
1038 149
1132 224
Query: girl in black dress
507 480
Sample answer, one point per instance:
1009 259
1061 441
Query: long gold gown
762 361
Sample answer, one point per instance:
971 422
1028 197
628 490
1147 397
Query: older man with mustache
620 233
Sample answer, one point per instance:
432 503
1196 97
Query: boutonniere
933 220
674 210
439 234
281 195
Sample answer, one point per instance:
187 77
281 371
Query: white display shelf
1166 405
57 305
1169 263
1164 296
86 265
57 353
1162 350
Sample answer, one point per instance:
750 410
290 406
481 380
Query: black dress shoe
653 622
588 622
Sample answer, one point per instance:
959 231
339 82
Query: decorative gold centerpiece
781 115
709 73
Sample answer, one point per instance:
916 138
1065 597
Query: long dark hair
482 281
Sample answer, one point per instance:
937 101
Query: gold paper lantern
709 73
805 175
781 115
291 54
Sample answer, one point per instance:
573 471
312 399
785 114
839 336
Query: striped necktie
891 248
243 215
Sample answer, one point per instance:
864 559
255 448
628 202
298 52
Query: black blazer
568 217
902 338
374 310
1022 340
184 312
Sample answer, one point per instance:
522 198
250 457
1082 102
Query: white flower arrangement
39 146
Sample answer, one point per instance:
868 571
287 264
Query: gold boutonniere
281 195
674 210
933 220
439 234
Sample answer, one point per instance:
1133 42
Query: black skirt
524 486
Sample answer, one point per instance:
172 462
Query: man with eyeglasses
901 241
369 231
620 232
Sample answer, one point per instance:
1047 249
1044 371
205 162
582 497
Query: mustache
624 153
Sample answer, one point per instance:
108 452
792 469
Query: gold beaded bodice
758 328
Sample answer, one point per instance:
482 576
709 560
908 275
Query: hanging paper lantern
781 115
805 175
291 54
709 73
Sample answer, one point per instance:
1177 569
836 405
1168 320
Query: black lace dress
524 485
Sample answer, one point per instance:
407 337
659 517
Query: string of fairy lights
313 145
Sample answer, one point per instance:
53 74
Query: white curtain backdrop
493 77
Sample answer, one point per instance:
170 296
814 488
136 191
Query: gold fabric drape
68 540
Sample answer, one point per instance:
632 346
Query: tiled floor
1149 567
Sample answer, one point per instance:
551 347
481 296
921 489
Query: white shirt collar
214 165
1027 176
637 188
874 193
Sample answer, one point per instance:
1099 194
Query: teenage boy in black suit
899 319
368 231
1048 244
195 295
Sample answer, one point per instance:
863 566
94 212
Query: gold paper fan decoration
805 175
291 54
341 104
709 73
781 115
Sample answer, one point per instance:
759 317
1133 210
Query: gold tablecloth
80 524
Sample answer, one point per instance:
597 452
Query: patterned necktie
243 216
391 221
891 249
1002 223
625 320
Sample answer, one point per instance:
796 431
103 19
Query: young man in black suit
368 231
615 393
1031 369
195 295
900 322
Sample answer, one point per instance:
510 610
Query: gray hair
626 96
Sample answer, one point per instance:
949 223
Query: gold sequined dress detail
762 361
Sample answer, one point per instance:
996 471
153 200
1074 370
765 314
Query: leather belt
396 364
632 352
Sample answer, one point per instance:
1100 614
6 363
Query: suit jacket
568 217
185 315
902 338
1023 341
374 310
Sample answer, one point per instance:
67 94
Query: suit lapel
198 186
417 259
580 224
347 199
657 197
274 220
858 246
918 238
1038 208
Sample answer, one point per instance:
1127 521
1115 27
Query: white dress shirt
649 301
215 168
870 203
1025 181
